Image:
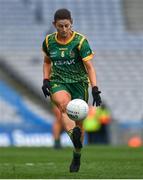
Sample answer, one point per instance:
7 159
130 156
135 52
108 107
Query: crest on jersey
72 54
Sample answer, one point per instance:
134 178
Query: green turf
98 162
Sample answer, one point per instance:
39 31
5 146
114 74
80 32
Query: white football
77 109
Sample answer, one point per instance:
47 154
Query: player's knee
62 107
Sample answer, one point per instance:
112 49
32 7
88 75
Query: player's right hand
46 87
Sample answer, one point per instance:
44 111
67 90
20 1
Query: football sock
77 151
70 133
57 144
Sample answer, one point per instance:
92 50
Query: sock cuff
70 133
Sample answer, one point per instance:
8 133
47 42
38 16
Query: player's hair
62 14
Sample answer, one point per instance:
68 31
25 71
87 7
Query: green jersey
67 59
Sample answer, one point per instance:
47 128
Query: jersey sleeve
45 47
85 51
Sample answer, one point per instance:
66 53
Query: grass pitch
98 162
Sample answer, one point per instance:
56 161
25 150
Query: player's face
63 27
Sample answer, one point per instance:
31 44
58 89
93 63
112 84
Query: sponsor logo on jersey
53 53
63 49
67 62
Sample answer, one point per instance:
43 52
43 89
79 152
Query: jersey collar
68 41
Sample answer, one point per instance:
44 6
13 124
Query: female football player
67 67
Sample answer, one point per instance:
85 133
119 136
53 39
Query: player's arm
91 72
46 67
46 76
87 54
92 77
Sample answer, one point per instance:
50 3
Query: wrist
95 88
45 80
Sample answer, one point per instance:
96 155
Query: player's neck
64 39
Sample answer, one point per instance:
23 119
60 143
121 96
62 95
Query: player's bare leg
57 127
73 131
61 99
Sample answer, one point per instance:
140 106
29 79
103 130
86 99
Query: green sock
57 142
77 152
70 133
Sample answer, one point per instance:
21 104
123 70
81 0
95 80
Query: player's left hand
96 96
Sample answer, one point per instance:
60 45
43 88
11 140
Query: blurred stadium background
115 31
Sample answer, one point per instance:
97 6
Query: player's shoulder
79 35
50 37
80 38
